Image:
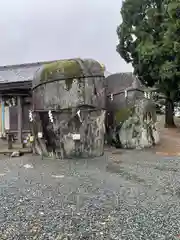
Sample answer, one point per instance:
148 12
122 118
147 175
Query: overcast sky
40 30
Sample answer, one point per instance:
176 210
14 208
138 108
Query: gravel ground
130 195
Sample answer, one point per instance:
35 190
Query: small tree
149 38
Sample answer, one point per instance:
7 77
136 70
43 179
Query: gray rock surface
16 154
139 130
81 82
117 84
90 131
88 126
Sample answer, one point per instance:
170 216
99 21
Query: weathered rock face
70 135
89 130
139 130
116 85
69 84
73 92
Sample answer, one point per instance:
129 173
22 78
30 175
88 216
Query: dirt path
169 139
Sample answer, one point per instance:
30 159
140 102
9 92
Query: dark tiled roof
19 73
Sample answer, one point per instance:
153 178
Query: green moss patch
123 114
67 68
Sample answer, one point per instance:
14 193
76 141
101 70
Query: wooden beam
2 116
15 86
20 120
15 94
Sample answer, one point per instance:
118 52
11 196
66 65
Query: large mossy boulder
69 103
69 83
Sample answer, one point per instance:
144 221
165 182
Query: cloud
34 30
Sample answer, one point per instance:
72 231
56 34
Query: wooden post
20 120
2 116
10 146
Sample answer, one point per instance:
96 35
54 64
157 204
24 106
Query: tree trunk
169 114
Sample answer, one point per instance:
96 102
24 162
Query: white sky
42 30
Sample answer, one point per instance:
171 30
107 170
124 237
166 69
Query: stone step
21 150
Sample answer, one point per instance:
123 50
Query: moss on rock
69 68
123 114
